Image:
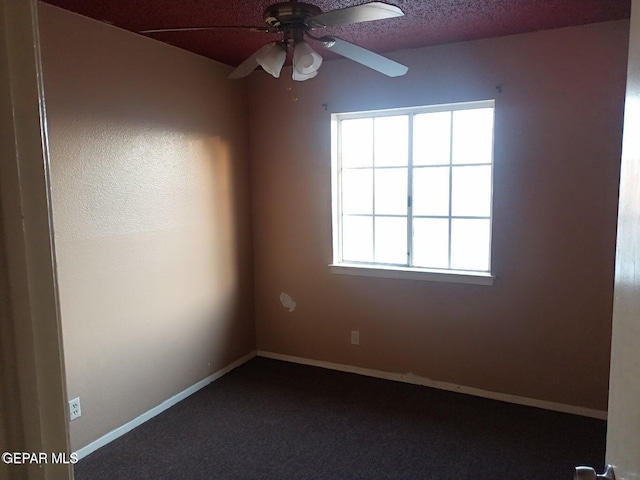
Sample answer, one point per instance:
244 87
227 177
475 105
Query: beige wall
151 217
543 330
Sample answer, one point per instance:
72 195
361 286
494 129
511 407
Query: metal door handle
588 473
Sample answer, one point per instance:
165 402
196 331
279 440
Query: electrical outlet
74 408
355 337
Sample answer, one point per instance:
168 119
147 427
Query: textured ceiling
426 22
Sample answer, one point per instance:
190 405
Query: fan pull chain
291 88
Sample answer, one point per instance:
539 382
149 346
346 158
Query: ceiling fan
296 21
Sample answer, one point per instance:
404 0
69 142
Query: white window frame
400 271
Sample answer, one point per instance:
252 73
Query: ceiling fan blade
365 57
250 64
359 13
196 29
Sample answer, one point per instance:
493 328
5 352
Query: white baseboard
127 427
398 377
417 380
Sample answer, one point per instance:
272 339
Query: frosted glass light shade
306 62
300 77
271 58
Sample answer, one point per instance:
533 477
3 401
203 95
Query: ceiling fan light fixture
271 58
294 19
306 61
301 77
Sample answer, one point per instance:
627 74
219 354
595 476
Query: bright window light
413 188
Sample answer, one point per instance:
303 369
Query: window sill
446 276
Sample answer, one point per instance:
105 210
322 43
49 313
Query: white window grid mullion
373 190
383 264
395 167
493 133
385 215
456 217
410 194
339 214
342 215
450 188
450 107
441 165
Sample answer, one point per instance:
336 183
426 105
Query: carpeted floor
276 420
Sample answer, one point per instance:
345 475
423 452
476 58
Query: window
412 192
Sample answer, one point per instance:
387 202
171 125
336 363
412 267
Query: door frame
33 408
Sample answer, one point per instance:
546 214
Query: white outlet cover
74 408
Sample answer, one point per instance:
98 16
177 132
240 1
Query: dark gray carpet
275 420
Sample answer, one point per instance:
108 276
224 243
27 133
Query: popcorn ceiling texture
426 22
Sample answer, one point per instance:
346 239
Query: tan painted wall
623 431
543 330
151 215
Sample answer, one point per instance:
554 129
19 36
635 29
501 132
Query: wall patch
287 302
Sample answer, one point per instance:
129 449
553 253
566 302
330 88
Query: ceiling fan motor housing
290 15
